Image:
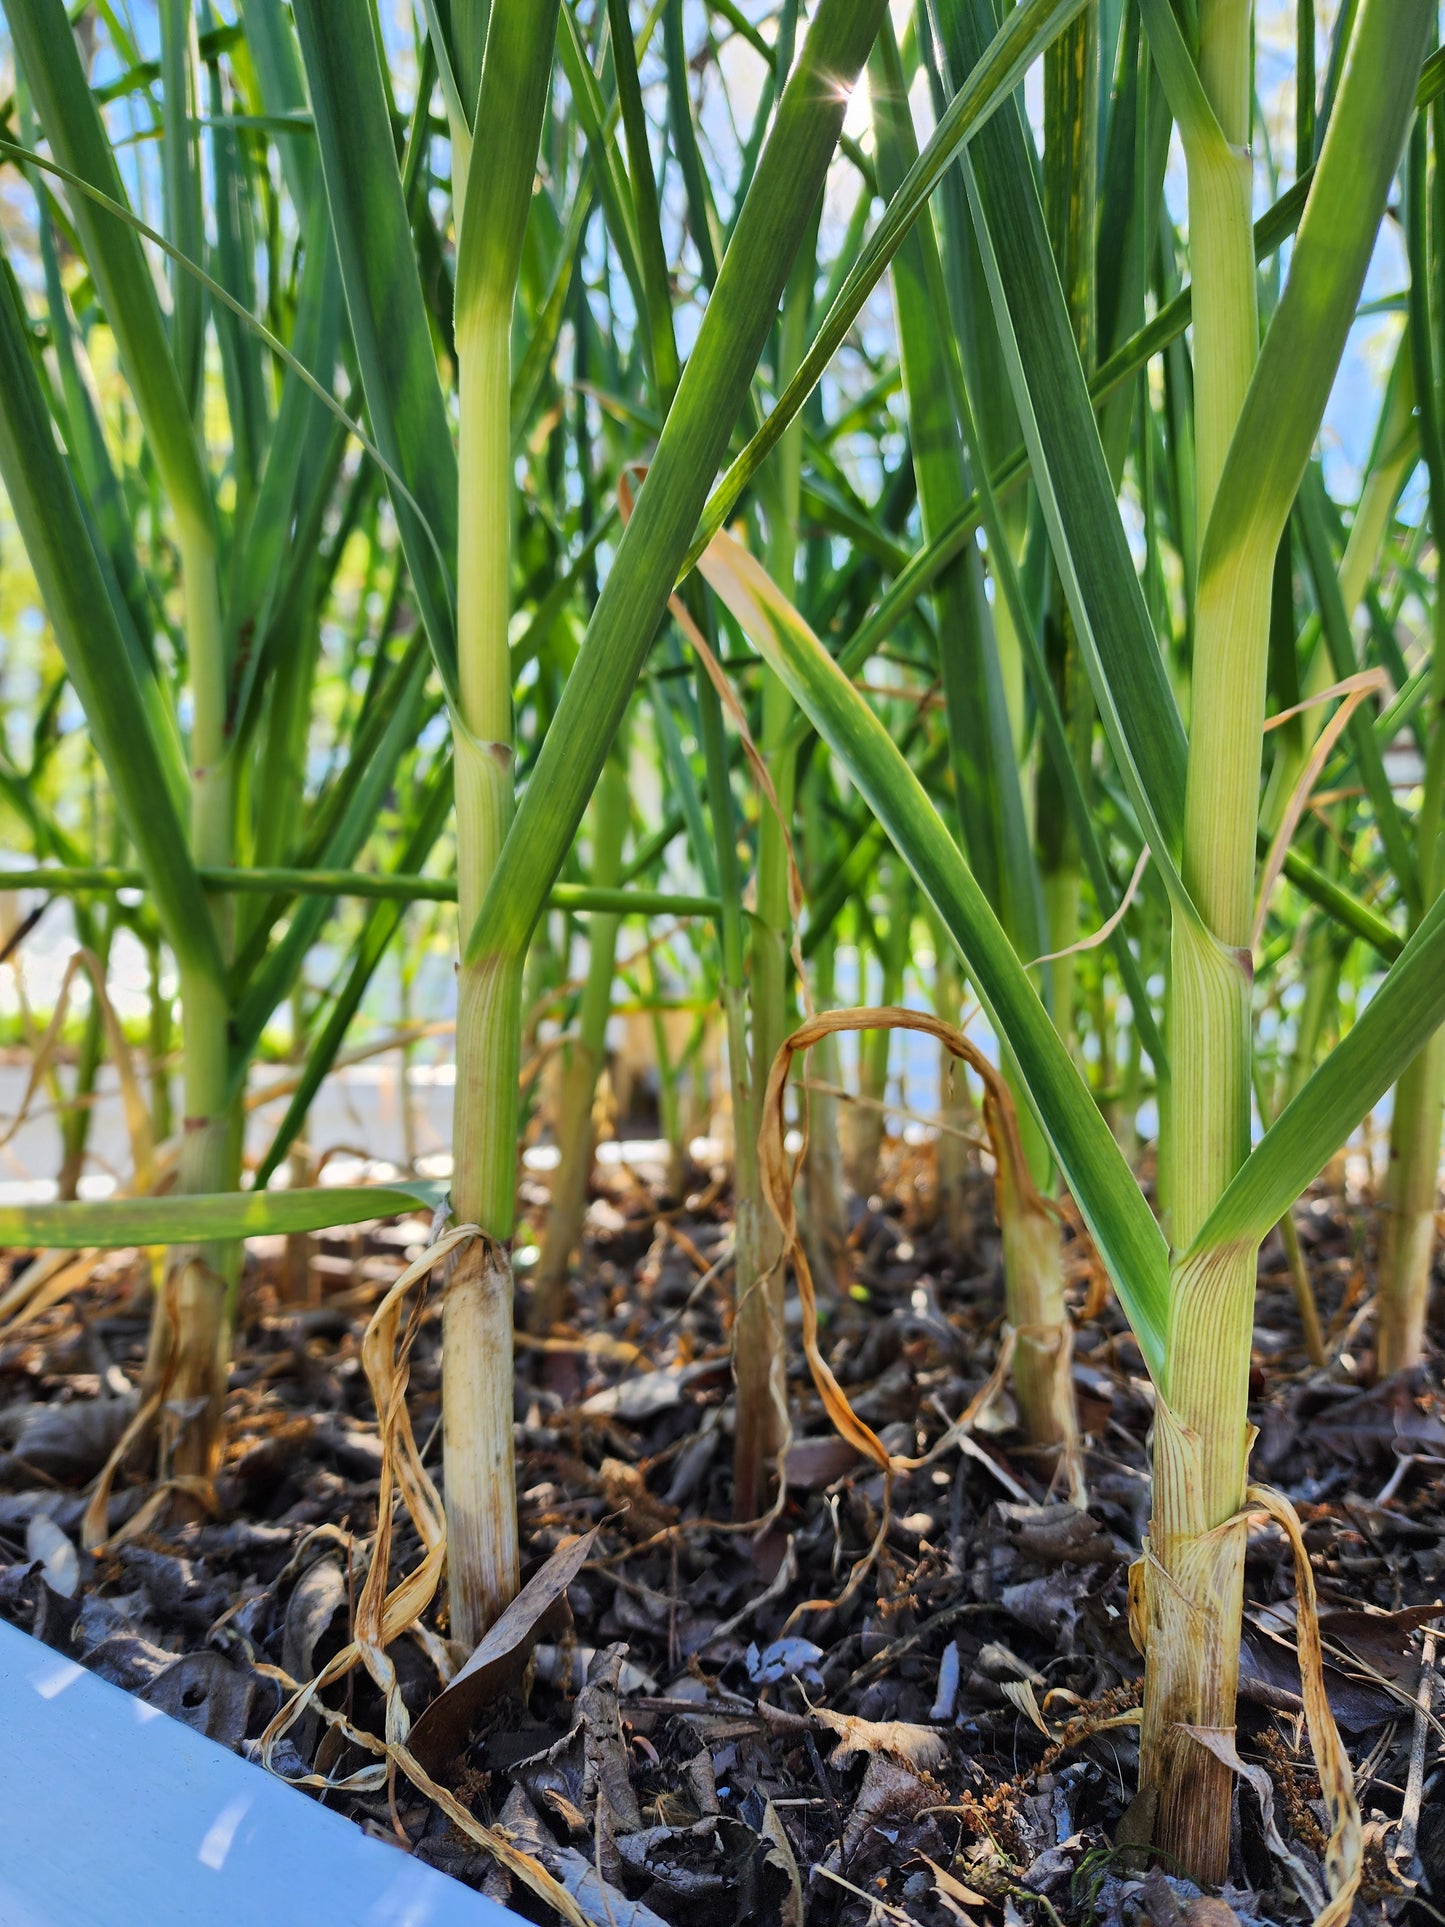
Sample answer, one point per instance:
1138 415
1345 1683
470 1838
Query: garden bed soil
702 1723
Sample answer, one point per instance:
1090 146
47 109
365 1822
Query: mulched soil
709 1726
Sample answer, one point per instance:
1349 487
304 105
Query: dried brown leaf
780 1853
954 1888
590 1900
443 1729
917 1746
890 1793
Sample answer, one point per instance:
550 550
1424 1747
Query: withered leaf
1377 1422
1134 1834
75 1440
1053 1534
607 1776
1050 1606
1381 1640
205 1692
918 1746
598 1899
1269 1675
812 1464
443 1729
954 1888
780 1859
317 1598
647 1394
890 1793
687 1860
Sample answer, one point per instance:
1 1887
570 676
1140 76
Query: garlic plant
462 336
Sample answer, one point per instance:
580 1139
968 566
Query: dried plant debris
675 1714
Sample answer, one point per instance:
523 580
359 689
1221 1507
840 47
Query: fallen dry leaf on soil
442 1730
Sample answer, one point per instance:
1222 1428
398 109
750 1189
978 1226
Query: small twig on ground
1404 1855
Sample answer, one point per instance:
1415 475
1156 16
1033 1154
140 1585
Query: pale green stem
212 771
1201 1437
1226 318
159 1045
189 1350
482 1551
483 739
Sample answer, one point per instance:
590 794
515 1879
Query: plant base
481 1485
1405 1260
1186 1604
187 1363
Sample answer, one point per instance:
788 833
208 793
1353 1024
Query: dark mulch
710 1727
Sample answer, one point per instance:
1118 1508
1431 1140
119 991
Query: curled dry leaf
647 1394
607 1778
208 1693
316 1600
1051 1606
71 1442
1381 1641
1021 1694
780 1855
779 1173
443 1729
890 1793
916 1746
813 1464
683 1860
789 1658
1377 1424
1052 1534
1345 1850
508 1852
954 1888
382 1616
568 1664
591 1900
1269 1675
1166 1909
